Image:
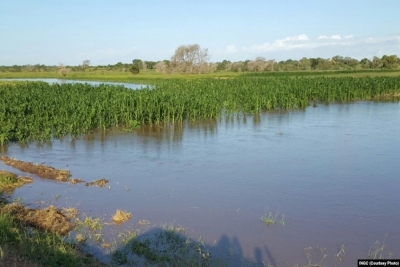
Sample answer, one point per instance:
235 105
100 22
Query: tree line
193 59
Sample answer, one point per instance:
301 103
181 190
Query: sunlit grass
25 246
39 111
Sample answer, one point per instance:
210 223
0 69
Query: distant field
118 76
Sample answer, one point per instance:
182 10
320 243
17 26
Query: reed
38 111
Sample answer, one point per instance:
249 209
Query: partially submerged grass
9 181
100 182
71 213
77 109
38 169
377 250
143 222
89 228
76 181
391 96
271 218
319 252
94 224
121 216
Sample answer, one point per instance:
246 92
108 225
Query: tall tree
389 62
189 59
138 63
85 64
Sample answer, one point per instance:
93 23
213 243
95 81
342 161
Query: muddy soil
38 169
50 218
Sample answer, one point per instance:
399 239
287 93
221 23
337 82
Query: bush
134 69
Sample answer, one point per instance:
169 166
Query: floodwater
333 171
62 81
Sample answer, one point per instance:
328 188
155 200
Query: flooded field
330 174
64 81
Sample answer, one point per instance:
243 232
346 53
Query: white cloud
287 43
350 36
303 42
321 46
300 37
230 49
335 37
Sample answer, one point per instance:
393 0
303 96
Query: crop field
39 111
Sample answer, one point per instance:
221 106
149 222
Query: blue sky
106 32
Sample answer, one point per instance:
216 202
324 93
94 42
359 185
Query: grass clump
9 181
48 219
271 218
22 246
100 182
121 216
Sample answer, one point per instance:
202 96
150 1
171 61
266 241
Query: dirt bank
38 169
49 218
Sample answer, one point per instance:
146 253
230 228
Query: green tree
138 63
223 65
150 64
376 63
134 69
365 63
390 62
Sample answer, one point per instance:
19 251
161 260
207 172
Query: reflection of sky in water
332 170
61 81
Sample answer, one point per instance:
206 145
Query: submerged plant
271 218
377 250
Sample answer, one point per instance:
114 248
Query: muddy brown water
332 170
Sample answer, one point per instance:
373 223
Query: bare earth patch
49 218
38 169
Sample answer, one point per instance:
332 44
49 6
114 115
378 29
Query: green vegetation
9 181
271 218
39 111
20 246
193 59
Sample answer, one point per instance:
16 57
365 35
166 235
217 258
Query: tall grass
39 111
20 246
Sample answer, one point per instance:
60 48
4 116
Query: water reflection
94 83
332 170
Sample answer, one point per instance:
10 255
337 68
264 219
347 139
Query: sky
54 32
